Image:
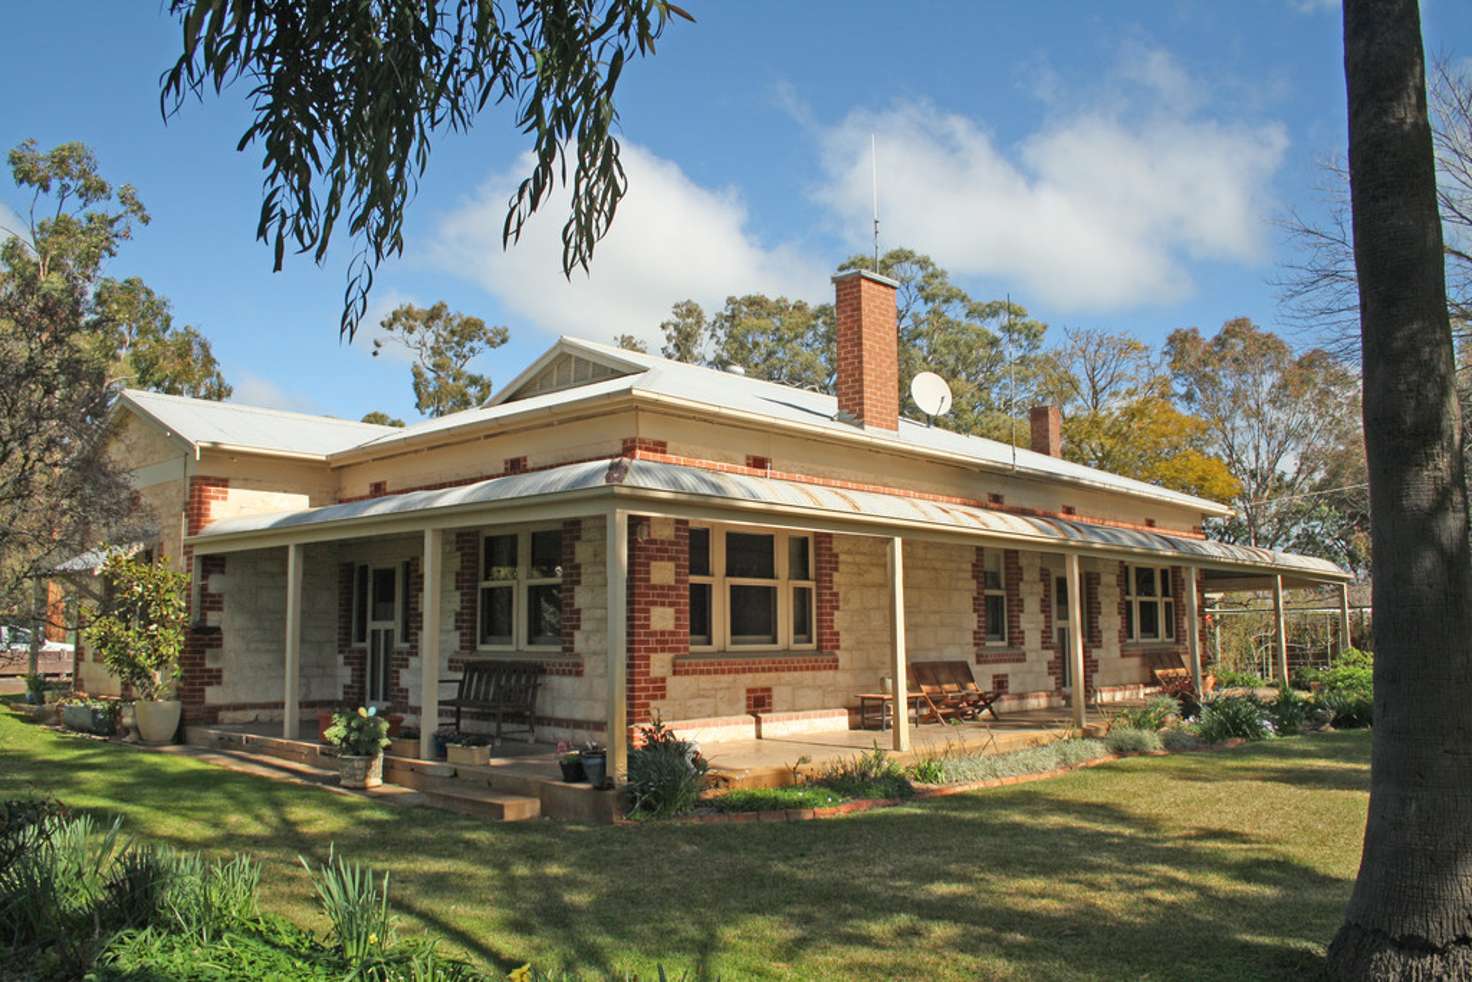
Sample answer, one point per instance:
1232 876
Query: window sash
994 595
790 632
1149 599
522 590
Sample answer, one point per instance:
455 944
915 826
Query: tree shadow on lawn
1338 761
1037 881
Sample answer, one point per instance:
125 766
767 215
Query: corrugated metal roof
875 508
203 422
710 387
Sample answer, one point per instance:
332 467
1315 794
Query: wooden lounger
950 690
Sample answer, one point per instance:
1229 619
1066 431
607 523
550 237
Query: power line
1308 494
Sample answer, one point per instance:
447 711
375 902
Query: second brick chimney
1047 430
868 349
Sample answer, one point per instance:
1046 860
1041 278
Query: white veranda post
1280 631
1077 694
291 696
898 667
1344 639
1193 626
429 642
618 615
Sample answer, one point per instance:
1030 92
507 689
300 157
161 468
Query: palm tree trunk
1410 916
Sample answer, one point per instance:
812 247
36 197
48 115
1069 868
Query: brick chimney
1047 430
868 350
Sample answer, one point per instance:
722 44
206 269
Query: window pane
1060 599
385 590
750 555
753 614
996 618
798 565
1144 581
802 615
495 615
992 564
700 613
360 604
544 614
546 554
1170 620
1149 620
699 552
1129 620
500 558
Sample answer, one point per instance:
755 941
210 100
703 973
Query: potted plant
571 763
469 749
139 632
595 763
359 738
96 716
404 742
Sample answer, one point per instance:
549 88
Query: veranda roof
693 491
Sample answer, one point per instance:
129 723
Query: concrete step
484 803
303 752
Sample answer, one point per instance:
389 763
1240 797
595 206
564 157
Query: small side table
879 707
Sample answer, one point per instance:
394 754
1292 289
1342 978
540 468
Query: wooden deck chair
932 701
978 699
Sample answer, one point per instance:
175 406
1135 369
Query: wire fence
1242 637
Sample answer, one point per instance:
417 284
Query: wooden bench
506 690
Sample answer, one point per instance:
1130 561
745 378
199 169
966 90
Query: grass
1233 865
774 799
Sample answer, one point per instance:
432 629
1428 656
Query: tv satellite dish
931 394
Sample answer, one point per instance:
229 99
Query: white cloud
671 240
1100 208
1314 6
256 390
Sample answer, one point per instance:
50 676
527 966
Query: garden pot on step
324 720
463 756
595 766
360 772
572 770
157 721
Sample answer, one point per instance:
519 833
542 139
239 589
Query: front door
383 625
1060 620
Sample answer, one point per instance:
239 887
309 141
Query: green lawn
1232 865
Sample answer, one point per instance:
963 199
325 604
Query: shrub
1126 740
928 771
1289 712
1179 739
1343 708
360 734
1151 716
1226 717
356 907
205 900
965 768
870 775
666 773
1231 678
139 631
1183 691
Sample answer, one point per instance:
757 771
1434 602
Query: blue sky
1115 166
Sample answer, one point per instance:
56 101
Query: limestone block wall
250 658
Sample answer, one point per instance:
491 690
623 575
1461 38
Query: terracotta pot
395 720
463 756
360 772
157 721
324 720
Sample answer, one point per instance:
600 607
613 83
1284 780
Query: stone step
303 752
484 803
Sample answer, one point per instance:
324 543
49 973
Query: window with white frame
994 593
1149 604
521 590
380 598
751 590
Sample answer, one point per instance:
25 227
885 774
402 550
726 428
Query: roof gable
205 422
568 364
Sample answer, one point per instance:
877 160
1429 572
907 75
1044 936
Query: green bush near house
967 768
1126 740
1151 716
666 774
1231 678
1233 717
871 775
140 628
1181 739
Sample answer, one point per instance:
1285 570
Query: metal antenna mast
1011 381
874 174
